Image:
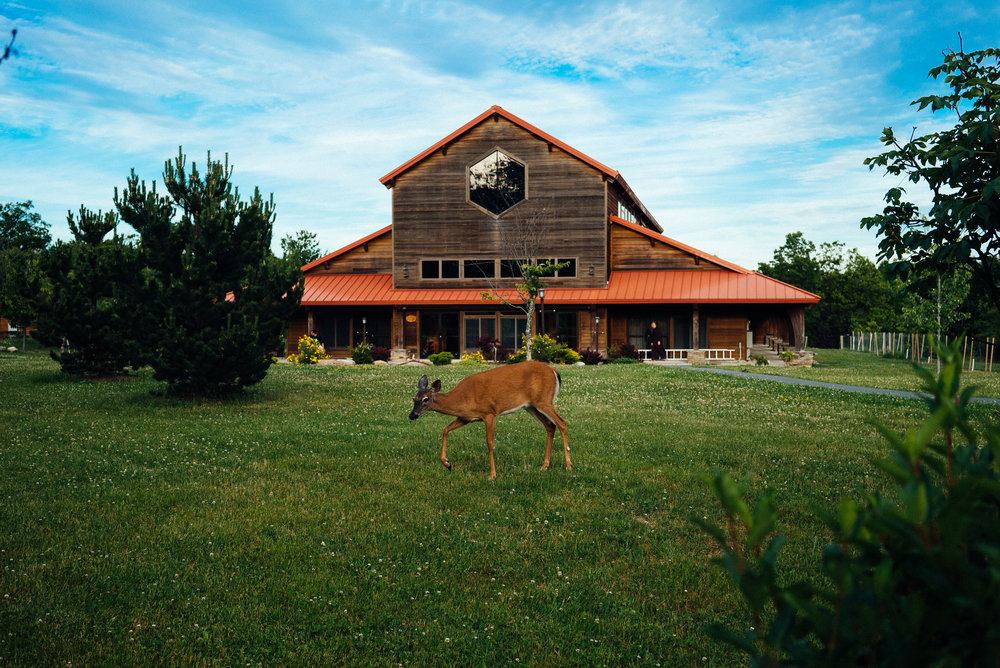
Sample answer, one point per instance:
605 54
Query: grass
850 367
311 522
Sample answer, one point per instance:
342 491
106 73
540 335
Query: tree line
939 269
194 291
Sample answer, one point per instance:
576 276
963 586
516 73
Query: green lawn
861 368
311 521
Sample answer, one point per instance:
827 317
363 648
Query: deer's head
424 397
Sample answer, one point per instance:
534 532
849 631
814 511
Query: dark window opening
449 268
429 269
497 182
480 269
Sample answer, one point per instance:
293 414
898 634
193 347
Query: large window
497 182
566 328
439 268
480 268
335 330
478 326
512 330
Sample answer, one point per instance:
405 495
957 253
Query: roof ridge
498 110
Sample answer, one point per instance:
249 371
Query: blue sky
734 122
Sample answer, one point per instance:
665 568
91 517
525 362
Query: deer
482 397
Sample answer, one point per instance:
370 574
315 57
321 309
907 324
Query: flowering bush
309 351
473 358
519 356
565 355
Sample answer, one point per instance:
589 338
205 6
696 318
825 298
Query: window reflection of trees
497 182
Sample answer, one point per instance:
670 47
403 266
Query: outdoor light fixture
406 271
364 325
591 268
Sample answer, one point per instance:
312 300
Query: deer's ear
436 385
422 383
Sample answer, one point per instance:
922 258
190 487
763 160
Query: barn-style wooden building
417 285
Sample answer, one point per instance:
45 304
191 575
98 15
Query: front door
439 332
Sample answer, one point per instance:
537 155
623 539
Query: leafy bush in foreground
910 580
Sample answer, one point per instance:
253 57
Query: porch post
695 333
797 314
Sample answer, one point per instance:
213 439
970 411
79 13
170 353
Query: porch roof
625 287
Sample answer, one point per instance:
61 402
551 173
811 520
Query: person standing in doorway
654 342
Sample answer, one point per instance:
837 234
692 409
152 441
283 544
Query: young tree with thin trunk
522 235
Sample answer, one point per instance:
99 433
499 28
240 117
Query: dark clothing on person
654 342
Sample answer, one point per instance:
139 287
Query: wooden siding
433 219
373 257
298 326
727 332
631 250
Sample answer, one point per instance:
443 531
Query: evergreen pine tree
219 300
92 311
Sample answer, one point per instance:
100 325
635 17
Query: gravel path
830 386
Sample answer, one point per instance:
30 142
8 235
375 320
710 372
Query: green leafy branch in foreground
911 580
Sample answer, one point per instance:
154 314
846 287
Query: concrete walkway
787 380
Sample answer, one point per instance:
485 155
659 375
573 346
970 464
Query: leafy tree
20 227
219 298
23 235
938 306
910 578
961 168
93 314
855 294
795 263
301 248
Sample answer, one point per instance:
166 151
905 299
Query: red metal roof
625 287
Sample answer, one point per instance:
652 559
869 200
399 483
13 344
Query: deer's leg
550 430
550 413
458 422
490 422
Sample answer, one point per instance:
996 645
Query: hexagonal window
497 182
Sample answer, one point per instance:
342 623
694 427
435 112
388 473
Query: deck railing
678 354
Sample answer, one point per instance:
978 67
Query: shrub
565 355
519 356
472 358
625 360
624 350
786 356
441 359
910 579
591 357
542 347
381 354
759 359
362 353
309 352
492 349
